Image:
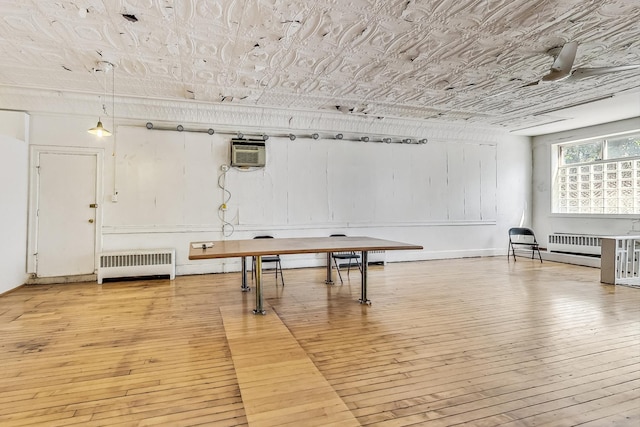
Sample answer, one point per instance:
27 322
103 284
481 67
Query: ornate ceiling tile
453 60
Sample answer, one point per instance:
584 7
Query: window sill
595 216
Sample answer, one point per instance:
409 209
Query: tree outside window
581 153
623 147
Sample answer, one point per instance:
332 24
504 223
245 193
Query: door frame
34 184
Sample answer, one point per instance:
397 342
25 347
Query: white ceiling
462 61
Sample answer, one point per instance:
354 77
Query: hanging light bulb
99 130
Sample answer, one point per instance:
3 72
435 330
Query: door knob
91 221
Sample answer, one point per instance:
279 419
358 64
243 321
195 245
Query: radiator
373 258
576 244
377 257
135 263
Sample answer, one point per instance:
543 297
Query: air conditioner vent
247 153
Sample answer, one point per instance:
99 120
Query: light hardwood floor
476 342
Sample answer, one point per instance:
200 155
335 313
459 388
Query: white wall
456 196
14 134
546 222
515 169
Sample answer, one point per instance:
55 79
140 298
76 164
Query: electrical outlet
114 198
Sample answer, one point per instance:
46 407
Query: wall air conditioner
248 153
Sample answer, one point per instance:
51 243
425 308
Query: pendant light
99 130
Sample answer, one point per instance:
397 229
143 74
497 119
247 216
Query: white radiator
373 257
377 257
134 263
577 244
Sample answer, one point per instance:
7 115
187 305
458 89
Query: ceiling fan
562 67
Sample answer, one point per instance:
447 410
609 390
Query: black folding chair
522 238
345 256
268 259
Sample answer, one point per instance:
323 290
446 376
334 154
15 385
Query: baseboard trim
62 279
586 261
232 265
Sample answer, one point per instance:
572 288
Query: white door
66 214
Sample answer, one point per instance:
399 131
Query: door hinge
93 205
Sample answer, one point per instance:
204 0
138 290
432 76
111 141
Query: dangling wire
227 227
115 133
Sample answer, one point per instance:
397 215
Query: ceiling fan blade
583 73
563 63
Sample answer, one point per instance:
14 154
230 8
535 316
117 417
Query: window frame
558 164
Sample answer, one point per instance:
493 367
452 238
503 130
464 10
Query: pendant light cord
114 195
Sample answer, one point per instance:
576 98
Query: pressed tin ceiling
460 61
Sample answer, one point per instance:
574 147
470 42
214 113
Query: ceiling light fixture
180 128
292 137
339 136
99 129
315 136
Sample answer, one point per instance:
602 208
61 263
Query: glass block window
599 177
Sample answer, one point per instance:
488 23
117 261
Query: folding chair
345 256
267 259
522 238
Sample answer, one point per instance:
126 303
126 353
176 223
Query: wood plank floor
280 385
479 342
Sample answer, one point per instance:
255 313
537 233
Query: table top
297 245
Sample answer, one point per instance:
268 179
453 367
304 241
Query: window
581 153
623 147
599 176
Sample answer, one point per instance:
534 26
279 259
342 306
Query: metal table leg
363 284
244 287
329 280
259 309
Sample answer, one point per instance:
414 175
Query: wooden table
259 247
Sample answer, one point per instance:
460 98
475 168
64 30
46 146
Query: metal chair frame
345 256
268 259
533 245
